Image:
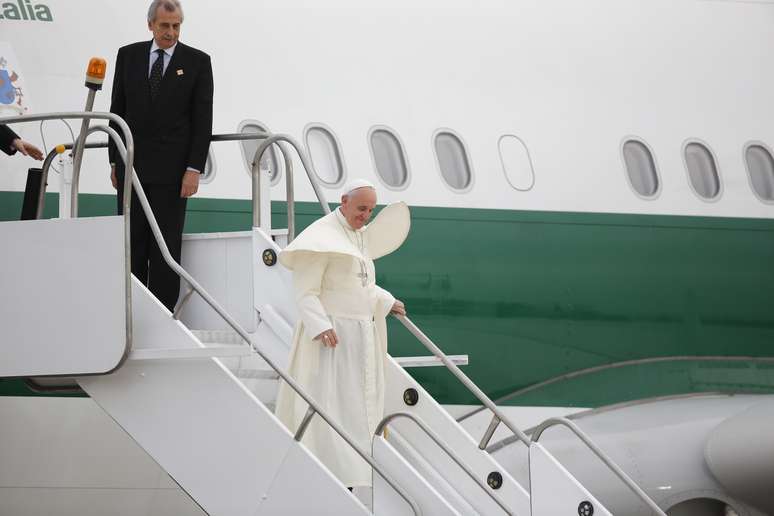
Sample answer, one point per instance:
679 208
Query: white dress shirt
168 52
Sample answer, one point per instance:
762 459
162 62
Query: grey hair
168 5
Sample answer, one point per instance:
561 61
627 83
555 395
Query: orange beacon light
95 73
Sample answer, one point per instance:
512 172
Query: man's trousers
147 263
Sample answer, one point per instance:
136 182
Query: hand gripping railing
128 157
554 421
432 435
243 333
498 416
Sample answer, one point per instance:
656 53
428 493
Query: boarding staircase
196 388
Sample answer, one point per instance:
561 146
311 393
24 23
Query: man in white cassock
340 341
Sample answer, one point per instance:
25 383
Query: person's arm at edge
117 107
11 143
7 137
307 285
387 304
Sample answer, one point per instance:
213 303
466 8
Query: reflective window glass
271 159
760 166
640 168
325 152
389 157
702 170
452 160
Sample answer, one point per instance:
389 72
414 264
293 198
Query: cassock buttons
269 257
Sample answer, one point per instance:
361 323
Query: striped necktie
157 70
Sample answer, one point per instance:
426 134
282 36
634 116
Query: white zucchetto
357 183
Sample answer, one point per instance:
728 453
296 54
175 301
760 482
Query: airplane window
452 158
760 167
640 168
271 159
702 170
389 157
210 168
325 152
516 162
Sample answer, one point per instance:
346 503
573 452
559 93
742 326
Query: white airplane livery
591 185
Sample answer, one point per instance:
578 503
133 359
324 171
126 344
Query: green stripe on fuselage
534 295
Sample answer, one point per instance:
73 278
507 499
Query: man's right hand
328 338
113 177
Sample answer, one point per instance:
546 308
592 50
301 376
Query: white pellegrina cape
334 285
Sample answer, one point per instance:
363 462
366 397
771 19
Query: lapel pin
180 72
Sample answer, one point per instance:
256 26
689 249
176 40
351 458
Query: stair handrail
47 166
126 153
128 157
617 365
601 455
290 197
180 271
255 175
305 161
498 415
432 435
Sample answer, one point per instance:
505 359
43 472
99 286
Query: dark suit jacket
7 136
172 132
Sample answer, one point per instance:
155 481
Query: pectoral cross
358 240
363 274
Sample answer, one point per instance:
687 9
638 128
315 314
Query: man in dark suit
10 143
163 89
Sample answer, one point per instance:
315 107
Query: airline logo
12 99
25 10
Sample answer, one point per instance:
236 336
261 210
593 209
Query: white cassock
334 283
